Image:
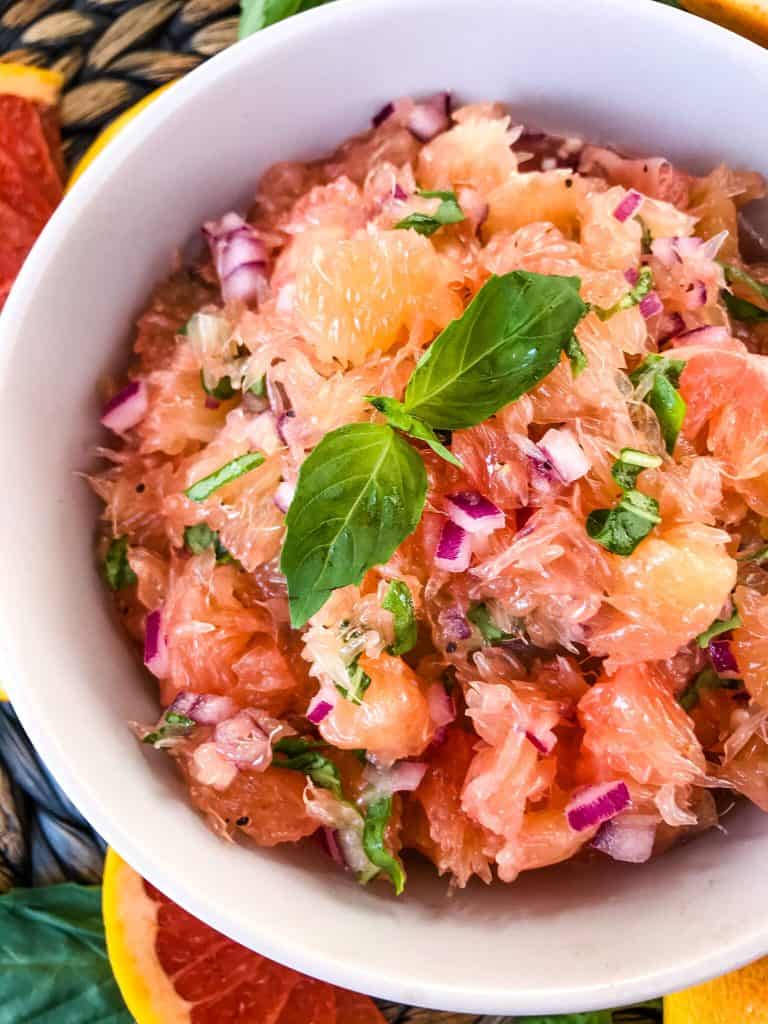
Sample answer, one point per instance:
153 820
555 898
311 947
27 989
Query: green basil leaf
200 537
448 212
576 355
116 567
300 755
359 681
646 240
734 273
620 529
507 340
360 493
718 626
758 557
399 602
259 387
53 961
258 14
634 296
479 615
171 725
742 309
377 817
223 389
230 471
630 465
402 420
707 679
656 380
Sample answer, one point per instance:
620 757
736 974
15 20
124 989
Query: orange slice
737 998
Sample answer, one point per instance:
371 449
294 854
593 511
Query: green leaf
758 557
718 626
707 679
479 616
596 1017
360 493
359 681
376 820
116 567
576 355
448 212
230 471
620 529
171 726
634 296
223 389
402 420
258 14
200 537
259 387
507 340
399 602
734 273
630 464
739 308
646 240
656 380
53 962
301 755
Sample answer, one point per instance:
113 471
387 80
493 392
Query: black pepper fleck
243 821
450 647
140 488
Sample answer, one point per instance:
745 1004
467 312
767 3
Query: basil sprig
399 602
362 490
621 528
377 817
742 309
656 381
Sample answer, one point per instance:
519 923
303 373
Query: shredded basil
707 679
656 381
399 602
377 817
259 387
630 465
116 567
479 615
230 471
223 389
646 240
171 726
758 557
621 528
448 212
742 309
634 296
201 537
576 355
718 626
301 755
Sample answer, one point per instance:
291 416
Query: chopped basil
359 681
630 465
184 329
621 528
634 296
201 537
300 755
116 567
223 389
399 602
656 382
480 616
448 212
758 557
172 726
576 355
258 14
377 817
646 239
259 388
742 309
718 626
413 427
707 679
230 471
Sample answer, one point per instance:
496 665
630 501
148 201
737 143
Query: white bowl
570 938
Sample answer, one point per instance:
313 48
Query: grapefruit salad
437 502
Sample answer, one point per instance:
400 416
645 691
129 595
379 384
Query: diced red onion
203 708
441 707
454 549
544 741
381 115
721 655
665 251
155 645
319 711
595 804
284 495
399 193
629 205
473 512
565 453
523 523
454 624
403 777
246 740
687 246
331 844
209 768
706 335
651 305
428 119
697 295
127 408
240 257
627 838
631 276
539 462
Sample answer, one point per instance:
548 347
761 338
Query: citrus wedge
737 998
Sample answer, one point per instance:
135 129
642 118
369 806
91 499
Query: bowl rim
311 960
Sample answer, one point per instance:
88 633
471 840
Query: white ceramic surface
631 71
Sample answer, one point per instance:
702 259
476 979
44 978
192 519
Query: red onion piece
565 454
246 740
155 645
441 707
595 804
544 741
331 844
323 702
454 624
721 655
665 251
399 193
284 495
403 777
627 838
523 523
428 119
240 257
629 205
127 408
473 512
454 549
203 708
209 768
381 115
539 463
651 305
320 711
631 275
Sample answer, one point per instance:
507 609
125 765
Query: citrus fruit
750 642
551 196
740 997
173 969
747 17
476 153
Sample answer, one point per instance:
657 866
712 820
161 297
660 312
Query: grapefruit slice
173 969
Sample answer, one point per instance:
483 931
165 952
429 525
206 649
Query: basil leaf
508 339
299 755
634 296
630 465
596 1017
200 537
741 309
230 471
758 557
620 529
448 212
223 389
171 726
360 493
259 387
53 960
734 273
707 679
576 355
402 420
657 380
646 240
258 14
377 817
718 626
116 567
479 616
359 681
399 602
